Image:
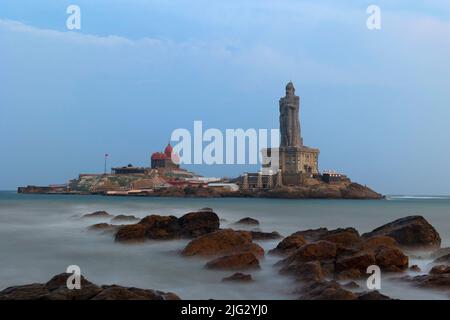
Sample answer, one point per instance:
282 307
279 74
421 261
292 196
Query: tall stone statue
289 119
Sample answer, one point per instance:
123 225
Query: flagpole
106 156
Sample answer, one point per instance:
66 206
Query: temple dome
168 150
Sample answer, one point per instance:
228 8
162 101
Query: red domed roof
168 150
158 156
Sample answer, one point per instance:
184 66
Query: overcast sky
377 103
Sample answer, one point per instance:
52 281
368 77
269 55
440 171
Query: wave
411 197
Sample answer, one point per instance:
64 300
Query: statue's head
290 90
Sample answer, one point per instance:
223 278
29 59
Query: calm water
41 235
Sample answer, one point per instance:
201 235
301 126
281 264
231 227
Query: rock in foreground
289 245
223 242
332 290
238 261
158 227
339 254
56 289
412 232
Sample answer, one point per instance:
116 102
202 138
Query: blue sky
377 103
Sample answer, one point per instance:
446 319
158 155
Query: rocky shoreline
322 264
343 190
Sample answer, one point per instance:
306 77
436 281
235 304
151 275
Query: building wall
299 160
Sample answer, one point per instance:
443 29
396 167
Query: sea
41 235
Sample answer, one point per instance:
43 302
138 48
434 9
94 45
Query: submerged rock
311 234
259 235
432 281
158 227
320 250
391 259
132 233
305 271
98 214
440 269
332 290
327 290
359 261
415 268
248 221
239 277
289 245
124 218
56 289
373 295
195 224
440 253
351 285
161 227
412 231
443 259
115 292
238 261
105 227
341 253
226 241
343 237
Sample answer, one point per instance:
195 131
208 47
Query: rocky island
294 174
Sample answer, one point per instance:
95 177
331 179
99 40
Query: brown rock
375 242
311 234
195 224
105 227
159 227
320 250
305 271
131 233
98 214
248 221
344 237
115 292
239 277
359 261
391 259
226 241
328 290
349 274
372 295
434 281
440 269
444 259
341 236
259 235
440 253
124 218
351 285
415 268
239 261
56 289
35 291
411 231
357 191
289 245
